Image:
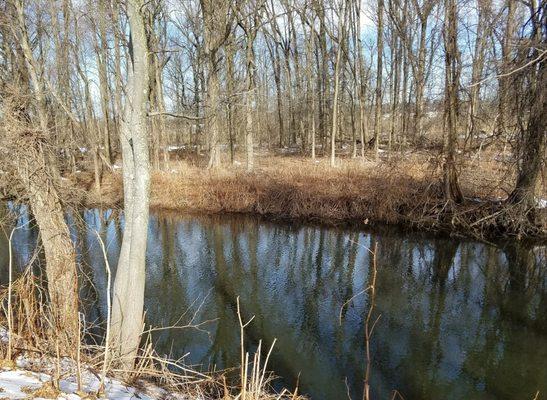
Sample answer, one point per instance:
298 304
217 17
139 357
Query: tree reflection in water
459 319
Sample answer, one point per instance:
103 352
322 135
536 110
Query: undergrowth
405 192
25 317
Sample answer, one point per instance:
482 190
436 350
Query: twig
244 358
348 301
10 279
535 60
368 332
175 115
9 293
108 316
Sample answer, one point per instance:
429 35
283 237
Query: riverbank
403 191
37 360
29 378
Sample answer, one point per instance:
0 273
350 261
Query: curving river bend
458 319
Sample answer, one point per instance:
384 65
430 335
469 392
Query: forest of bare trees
95 86
316 76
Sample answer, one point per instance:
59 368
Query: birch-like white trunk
128 296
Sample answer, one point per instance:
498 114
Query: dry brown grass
34 337
402 190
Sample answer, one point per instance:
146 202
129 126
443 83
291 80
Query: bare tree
217 22
30 150
504 79
249 18
531 154
341 33
452 190
128 295
379 72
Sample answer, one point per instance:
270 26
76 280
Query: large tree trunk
35 163
211 111
532 145
217 27
59 250
128 296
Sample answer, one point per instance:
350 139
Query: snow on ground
33 378
541 203
23 384
175 148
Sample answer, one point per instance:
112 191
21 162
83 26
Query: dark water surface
458 319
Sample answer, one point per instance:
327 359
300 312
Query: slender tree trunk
250 97
341 35
117 69
128 297
452 190
420 79
230 81
379 67
310 43
504 81
102 54
405 62
476 71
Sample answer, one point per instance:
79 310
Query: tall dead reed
25 311
402 191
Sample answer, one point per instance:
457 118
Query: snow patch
30 376
175 148
20 384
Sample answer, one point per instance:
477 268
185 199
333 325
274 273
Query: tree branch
175 115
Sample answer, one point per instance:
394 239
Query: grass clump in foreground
46 363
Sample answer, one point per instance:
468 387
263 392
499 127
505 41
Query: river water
456 319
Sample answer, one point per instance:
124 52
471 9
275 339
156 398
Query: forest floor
404 189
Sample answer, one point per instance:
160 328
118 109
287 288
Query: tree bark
452 190
532 143
379 66
128 297
33 161
217 27
341 38
504 81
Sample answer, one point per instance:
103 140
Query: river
457 319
